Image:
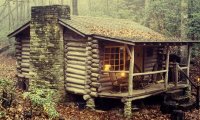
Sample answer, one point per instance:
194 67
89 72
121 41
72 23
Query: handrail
185 75
197 87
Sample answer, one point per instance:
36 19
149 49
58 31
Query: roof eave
19 30
71 28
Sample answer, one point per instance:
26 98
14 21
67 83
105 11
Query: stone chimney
46 46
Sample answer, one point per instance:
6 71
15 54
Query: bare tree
75 7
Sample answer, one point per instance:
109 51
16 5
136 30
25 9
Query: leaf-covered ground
70 111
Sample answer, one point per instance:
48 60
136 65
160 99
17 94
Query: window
114 58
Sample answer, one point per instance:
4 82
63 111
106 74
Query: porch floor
151 90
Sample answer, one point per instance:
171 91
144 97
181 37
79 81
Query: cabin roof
123 29
120 30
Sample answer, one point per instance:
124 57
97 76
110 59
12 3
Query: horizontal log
94 41
89 53
25 65
105 88
83 59
97 61
95 46
95 70
87 82
76 76
86 97
25 57
25 60
95 56
25 53
25 70
26 49
106 84
94 94
79 67
25 45
75 71
89 62
79 54
94 79
95 51
25 41
76 49
93 89
95 84
76 44
95 65
102 80
75 62
75 81
89 43
87 91
87 86
95 75
76 90
75 86
149 73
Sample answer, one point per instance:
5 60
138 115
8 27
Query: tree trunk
75 7
146 7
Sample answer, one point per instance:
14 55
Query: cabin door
139 58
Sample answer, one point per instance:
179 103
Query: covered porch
127 81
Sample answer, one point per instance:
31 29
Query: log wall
150 60
75 64
93 68
23 60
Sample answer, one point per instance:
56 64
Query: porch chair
118 81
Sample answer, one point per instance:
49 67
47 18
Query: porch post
167 68
131 70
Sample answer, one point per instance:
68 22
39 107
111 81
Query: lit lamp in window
198 80
107 68
123 74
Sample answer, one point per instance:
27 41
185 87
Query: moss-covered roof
114 28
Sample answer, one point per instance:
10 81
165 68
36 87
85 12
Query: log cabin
96 57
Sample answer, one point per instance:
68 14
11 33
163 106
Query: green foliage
164 16
2 114
45 98
6 84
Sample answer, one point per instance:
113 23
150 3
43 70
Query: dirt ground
71 111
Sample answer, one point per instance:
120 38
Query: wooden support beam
131 70
176 74
149 73
167 68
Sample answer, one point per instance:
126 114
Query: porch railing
196 86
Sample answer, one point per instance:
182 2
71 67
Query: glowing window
115 58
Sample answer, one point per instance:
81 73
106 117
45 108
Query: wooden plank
131 71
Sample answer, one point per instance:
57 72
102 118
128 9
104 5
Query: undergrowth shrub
43 97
